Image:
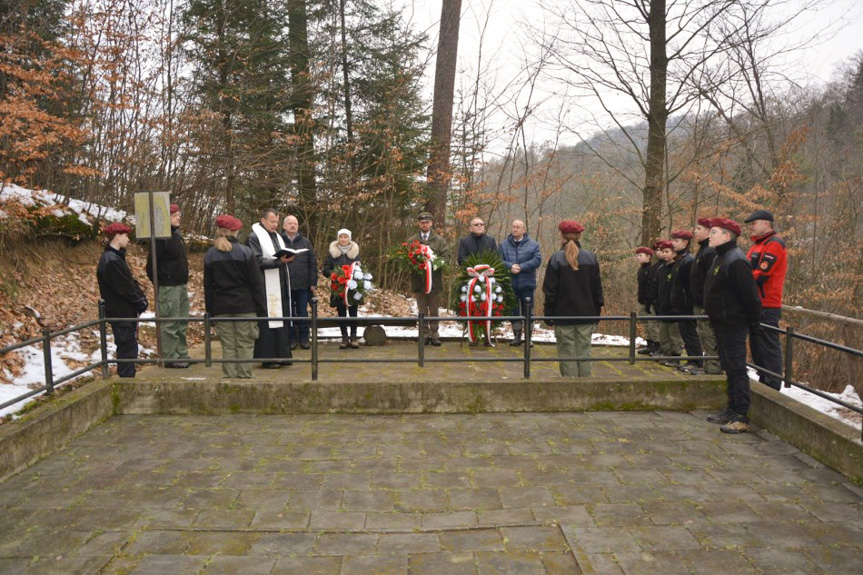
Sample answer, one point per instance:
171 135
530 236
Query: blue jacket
524 253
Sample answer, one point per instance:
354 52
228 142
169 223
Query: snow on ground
40 198
68 348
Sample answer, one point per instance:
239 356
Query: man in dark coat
732 302
274 340
303 271
643 256
476 242
681 297
173 275
122 295
522 257
700 267
429 303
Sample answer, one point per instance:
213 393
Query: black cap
425 217
759 215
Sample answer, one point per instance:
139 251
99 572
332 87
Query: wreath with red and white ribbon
482 298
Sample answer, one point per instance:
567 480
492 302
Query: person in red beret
651 302
703 262
234 288
573 287
173 297
681 298
733 305
670 341
643 256
122 295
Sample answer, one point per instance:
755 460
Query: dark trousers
343 312
689 333
521 295
731 344
766 349
300 302
126 339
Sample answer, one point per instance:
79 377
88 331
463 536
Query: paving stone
393 521
618 514
375 501
601 539
308 566
408 543
534 539
526 497
221 543
651 563
337 520
341 544
159 543
101 544
489 563
500 517
474 499
779 561
560 563
451 520
224 519
673 513
604 563
421 500
174 564
472 540
228 565
283 544
391 564
440 563
280 519
664 538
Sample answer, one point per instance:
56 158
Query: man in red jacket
769 260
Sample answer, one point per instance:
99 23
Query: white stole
272 279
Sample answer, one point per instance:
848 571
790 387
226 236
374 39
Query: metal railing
527 359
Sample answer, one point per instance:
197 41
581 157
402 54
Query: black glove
142 306
647 309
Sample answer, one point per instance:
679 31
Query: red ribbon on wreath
482 274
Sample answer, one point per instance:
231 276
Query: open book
289 252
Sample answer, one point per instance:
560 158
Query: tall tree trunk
444 88
654 173
302 101
346 73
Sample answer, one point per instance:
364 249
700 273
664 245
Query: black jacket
652 296
122 294
643 277
304 268
700 267
335 258
730 293
681 280
171 259
662 305
573 293
233 282
473 244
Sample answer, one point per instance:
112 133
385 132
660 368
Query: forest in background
323 109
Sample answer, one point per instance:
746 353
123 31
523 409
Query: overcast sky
839 23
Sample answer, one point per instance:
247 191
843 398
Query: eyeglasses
479 225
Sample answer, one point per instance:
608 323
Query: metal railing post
528 325
632 325
46 352
789 356
421 342
103 339
208 342
314 334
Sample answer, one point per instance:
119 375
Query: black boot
516 340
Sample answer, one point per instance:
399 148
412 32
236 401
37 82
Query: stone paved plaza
597 492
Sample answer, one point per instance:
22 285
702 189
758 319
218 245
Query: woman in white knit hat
342 252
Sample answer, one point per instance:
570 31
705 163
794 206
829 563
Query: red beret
656 245
725 223
570 227
681 234
647 251
704 222
117 228
175 208
664 245
228 222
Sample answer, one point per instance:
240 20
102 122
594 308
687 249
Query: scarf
272 278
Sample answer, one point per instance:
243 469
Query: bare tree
633 61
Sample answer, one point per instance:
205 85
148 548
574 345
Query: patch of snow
85 211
